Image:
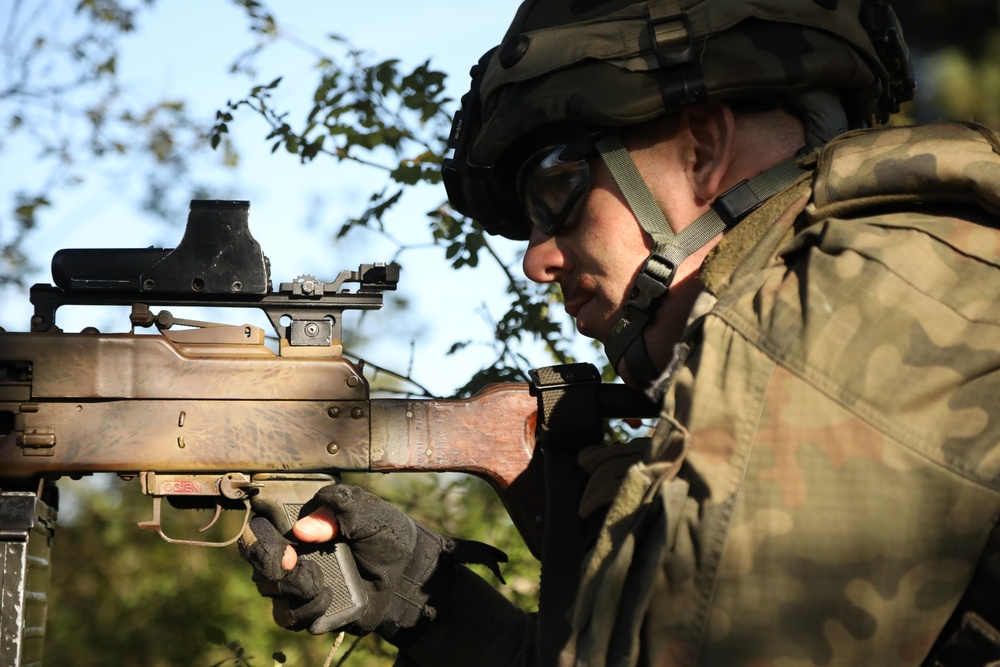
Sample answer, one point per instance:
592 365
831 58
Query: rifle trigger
218 513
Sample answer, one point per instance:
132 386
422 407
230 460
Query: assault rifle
212 417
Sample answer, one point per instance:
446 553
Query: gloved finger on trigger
263 547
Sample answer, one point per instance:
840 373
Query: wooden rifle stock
491 435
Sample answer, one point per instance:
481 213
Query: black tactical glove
407 570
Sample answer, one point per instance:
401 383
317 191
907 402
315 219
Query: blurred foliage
60 93
955 46
124 597
372 112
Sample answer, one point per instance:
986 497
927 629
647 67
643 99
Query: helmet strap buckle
736 203
652 282
625 342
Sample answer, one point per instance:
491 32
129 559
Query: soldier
813 301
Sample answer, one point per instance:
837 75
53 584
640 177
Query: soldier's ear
713 129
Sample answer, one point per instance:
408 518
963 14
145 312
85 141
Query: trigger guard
154 524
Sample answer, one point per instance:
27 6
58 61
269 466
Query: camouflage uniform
827 472
824 474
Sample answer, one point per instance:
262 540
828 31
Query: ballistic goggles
553 183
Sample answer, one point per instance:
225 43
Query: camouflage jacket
825 472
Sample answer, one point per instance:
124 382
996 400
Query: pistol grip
281 499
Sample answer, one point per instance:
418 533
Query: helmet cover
566 66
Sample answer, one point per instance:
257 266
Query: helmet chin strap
669 249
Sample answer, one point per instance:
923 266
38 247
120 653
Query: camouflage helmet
586 64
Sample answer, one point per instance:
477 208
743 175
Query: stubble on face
596 257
